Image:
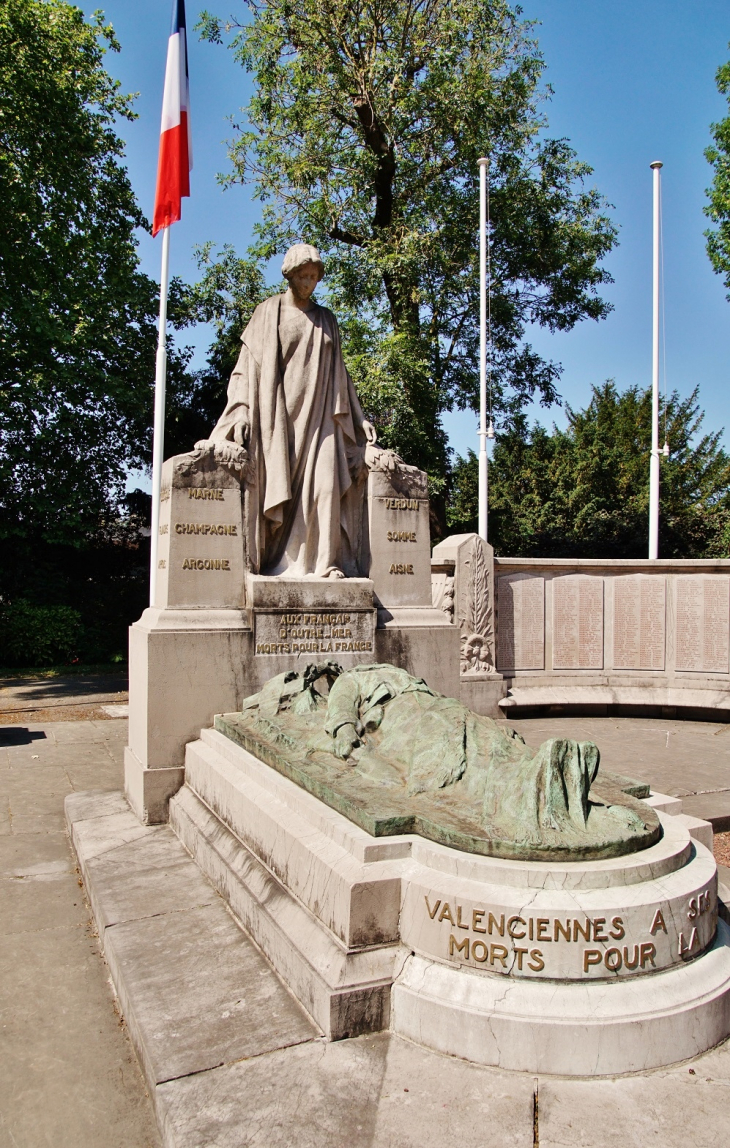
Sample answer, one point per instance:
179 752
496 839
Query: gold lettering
482 949
511 928
598 933
459 922
559 927
431 912
648 952
657 923
617 928
536 963
161 564
498 953
591 957
584 930
612 960
455 947
499 925
520 953
164 528
542 924
686 948
633 963
445 914
476 916
164 494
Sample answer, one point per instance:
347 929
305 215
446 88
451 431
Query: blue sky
633 82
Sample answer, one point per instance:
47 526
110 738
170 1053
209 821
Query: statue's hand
370 432
345 741
242 431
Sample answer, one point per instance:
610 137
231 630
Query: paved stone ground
687 759
67 697
69 1077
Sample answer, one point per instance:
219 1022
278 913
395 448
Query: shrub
38 635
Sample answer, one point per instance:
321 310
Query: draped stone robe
306 441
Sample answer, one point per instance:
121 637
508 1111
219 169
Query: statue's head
299 257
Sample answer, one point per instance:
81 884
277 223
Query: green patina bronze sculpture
394 756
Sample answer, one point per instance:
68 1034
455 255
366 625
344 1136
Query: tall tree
584 492
77 318
363 137
718 208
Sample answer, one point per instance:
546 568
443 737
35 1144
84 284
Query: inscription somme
580 930
314 633
402 536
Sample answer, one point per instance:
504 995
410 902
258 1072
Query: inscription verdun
639 622
703 623
314 632
577 622
521 622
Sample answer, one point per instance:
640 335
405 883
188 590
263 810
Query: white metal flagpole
158 439
483 474
656 167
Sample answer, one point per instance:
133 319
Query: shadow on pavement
18 735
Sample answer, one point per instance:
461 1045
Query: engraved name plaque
314 632
577 622
703 623
639 622
521 623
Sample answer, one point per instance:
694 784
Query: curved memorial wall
614 636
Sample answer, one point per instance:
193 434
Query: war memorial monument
312 704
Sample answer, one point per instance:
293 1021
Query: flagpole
483 348
158 440
654 460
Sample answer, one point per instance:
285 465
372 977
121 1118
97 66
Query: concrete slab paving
69 1077
687 759
372 1091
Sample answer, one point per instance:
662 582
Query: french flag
176 152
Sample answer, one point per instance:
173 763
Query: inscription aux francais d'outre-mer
314 632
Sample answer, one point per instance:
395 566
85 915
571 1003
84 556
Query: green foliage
363 137
77 339
38 635
584 492
718 209
226 295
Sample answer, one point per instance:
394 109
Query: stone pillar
462 569
187 654
410 633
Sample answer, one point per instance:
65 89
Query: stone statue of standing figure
293 406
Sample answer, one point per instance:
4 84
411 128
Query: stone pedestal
399 537
586 969
182 665
201 553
